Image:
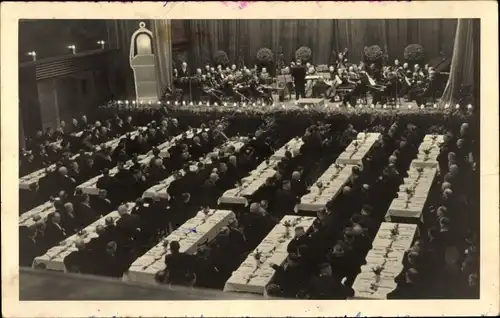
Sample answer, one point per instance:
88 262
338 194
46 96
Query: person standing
299 79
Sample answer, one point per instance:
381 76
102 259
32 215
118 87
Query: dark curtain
241 39
464 73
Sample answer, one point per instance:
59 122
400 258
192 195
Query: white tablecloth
327 187
89 187
386 255
428 152
26 219
35 176
160 190
256 179
195 232
54 257
250 184
253 275
411 205
293 146
358 149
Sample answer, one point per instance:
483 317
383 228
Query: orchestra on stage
343 81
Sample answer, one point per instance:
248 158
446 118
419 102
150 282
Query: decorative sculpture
143 63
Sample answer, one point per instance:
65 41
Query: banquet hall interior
249 159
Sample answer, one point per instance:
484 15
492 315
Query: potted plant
414 54
374 54
221 58
303 54
265 58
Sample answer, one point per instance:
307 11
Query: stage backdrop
244 37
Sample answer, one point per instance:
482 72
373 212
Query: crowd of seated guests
69 173
120 242
49 147
72 213
325 260
444 262
322 263
211 266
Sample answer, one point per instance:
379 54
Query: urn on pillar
142 62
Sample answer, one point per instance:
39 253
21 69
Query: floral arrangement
395 230
221 58
264 55
409 194
373 53
356 145
303 53
377 270
257 255
426 152
414 52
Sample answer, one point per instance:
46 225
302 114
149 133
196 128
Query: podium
143 64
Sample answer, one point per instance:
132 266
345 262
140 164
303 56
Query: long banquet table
326 188
412 196
197 231
160 190
358 149
90 186
257 177
32 178
43 210
53 259
293 145
256 272
428 152
384 262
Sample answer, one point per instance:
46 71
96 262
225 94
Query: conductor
299 79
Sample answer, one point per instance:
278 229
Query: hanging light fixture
32 54
72 48
102 44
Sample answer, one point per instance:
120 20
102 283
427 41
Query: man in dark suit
257 224
28 247
180 266
64 182
299 79
196 149
325 286
176 187
55 233
183 208
128 226
284 201
101 204
86 212
69 220
408 288
111 262
106 182
80 261
299 239
98 244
